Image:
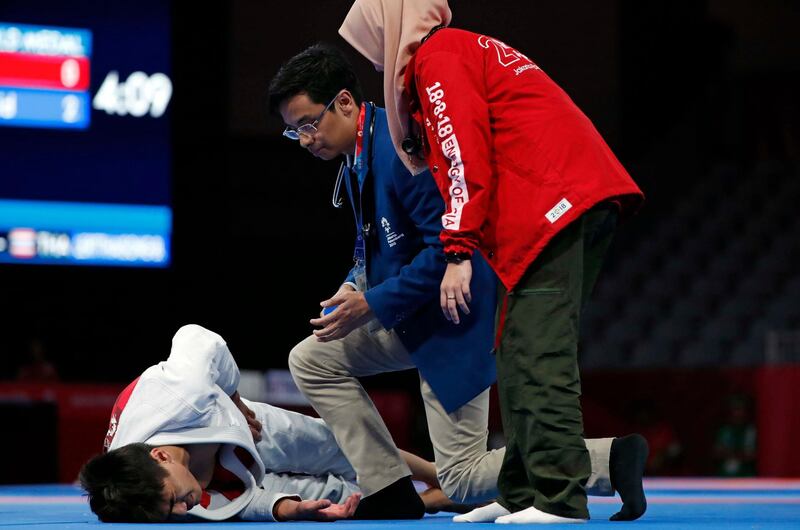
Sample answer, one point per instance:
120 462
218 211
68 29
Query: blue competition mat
673 503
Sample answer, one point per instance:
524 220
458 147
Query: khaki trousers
326 373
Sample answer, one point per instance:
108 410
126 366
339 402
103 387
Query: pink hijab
388 32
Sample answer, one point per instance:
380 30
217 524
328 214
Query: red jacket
514 158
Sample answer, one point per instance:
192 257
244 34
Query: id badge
360 268
360 273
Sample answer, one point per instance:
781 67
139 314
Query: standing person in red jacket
529 182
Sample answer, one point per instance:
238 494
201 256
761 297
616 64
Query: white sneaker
533 516
484 514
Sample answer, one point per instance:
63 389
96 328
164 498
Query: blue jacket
405 264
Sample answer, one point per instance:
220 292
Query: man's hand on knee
352 312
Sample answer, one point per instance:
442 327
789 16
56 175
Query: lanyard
361 187
357 158
347 164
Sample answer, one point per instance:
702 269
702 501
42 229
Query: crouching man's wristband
456 257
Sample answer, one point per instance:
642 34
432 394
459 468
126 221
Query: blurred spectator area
709 282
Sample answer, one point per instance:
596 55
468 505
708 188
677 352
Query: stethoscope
337 200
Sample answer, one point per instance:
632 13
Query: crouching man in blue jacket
385 316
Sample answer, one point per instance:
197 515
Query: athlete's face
336 130
181 489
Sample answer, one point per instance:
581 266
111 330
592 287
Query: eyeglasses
308 128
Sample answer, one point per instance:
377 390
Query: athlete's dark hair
125 485
320 71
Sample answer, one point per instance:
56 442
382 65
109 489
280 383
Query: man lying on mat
182 441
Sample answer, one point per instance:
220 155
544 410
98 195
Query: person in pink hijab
529 182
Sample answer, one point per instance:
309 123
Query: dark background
677 88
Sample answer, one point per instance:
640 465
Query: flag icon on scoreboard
22 243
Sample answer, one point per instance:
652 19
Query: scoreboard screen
85 164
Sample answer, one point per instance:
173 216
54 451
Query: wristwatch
457 257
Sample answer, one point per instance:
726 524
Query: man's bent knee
301 358
454 483
472 481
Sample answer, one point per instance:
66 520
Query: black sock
398 500
628 457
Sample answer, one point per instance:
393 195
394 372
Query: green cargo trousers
546 463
